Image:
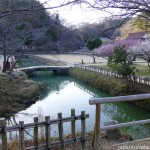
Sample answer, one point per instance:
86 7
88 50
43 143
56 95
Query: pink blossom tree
104 50
107 49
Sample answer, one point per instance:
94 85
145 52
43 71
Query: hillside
129 27
20 93
35 30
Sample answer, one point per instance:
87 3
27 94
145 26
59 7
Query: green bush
112 86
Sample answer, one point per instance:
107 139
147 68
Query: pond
64 93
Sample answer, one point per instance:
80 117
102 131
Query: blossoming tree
142 50
107 49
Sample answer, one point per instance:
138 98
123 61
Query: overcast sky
76 14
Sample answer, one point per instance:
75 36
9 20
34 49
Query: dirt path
75 58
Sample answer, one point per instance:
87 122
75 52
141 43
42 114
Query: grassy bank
17 95
113 86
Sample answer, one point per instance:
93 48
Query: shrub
110 85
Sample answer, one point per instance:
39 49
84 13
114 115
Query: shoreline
20 93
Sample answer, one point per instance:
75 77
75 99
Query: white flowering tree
142 50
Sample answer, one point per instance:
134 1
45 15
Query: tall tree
10 39
92 44
120 62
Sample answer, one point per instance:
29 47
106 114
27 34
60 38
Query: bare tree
126 8
10 39
34 6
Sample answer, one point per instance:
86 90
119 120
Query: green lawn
142 70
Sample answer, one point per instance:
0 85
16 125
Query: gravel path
75 58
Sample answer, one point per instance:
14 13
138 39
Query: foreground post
36 133
83 127
47 132
21 135
97 127
73 128
3 133
60 129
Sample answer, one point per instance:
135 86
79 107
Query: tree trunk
5 61
94 61
148 64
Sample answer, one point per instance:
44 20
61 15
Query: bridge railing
62 141
99 101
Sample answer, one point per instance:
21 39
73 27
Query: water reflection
125 112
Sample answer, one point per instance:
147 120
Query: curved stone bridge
31 71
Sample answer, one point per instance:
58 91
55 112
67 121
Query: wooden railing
109 73
99 101
21 127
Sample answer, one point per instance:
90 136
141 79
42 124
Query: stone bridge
31 71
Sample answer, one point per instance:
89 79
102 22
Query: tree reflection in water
126 112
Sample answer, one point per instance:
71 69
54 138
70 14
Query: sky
76 15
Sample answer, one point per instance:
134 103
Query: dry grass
104 144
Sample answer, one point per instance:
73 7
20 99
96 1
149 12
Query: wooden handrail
94 101
99 101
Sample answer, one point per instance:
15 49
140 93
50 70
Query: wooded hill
35 30
45 32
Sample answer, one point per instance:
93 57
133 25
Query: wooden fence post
4 135
73 128
60 129
97 127
36 133
47 132
21 135
83 128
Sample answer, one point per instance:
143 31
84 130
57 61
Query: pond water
64 93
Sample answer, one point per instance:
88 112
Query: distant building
139 36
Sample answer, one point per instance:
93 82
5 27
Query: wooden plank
83 129
47 132
60 130
73 128
36 133
93 101
3 133
120 125
42 123
21 136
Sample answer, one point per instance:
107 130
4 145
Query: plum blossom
107 49
142 50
